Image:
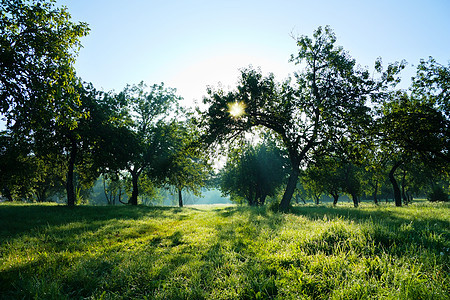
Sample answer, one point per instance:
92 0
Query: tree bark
180 198
290 188
355 200
375 199
134 194
317 199
335 198
71 196
397 194
405 199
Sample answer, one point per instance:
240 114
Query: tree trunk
134 194
290 188
355 200
375 199
71 196
180 198
405 199
335 198
108 198
397 194
317 199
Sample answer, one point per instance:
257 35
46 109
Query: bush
438 194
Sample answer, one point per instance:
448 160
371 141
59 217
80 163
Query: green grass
314 252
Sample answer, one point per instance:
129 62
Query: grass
314 252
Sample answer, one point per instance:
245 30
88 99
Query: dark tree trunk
410 197
335 198
70 188
405 199
397 194
180 198
317 199
355 200
290 188
134 194
375 192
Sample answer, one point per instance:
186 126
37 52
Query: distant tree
327 102
412 129
253 173
325 177
143 145
188 168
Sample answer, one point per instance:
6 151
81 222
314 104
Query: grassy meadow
224 252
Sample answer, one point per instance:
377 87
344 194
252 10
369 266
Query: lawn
224 252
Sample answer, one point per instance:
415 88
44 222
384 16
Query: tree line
335 128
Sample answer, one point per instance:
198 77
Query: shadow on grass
171 264
388 228
16 220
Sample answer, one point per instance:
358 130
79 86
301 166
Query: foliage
431 85
123 252
142 144
252 173
188 168
39 43
326 103
438 194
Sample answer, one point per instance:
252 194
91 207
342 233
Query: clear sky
194 43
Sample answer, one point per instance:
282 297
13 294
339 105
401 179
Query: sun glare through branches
236 109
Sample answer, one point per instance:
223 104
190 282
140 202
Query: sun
236 109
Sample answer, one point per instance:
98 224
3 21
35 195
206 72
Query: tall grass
314 252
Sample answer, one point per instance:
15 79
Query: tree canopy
326 102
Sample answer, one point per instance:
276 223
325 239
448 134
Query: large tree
327 101
38 87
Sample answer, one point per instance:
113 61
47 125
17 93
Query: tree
432 85
143 145
38 86
16 169
188 168
325 176
327 101
253 173
412 129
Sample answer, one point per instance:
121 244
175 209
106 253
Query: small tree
253 173
188 167
143 144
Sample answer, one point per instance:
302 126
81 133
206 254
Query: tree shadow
16 220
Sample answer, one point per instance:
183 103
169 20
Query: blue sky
192 44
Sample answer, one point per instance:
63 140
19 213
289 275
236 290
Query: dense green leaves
39 43
254 172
